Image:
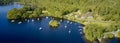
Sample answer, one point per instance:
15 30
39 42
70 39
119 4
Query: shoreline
90 20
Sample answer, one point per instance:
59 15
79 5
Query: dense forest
4 2
98 16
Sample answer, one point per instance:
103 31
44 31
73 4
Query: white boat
12 20
80 30
69 31
79 26
60 20
32 20
40 28
38 19
81 33
19 22
68 21
47 17
65 26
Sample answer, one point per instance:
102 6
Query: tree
37 12
25 15
65 12
31 16
14 14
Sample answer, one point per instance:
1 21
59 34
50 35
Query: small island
54 23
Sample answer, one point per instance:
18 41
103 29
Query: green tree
14 14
